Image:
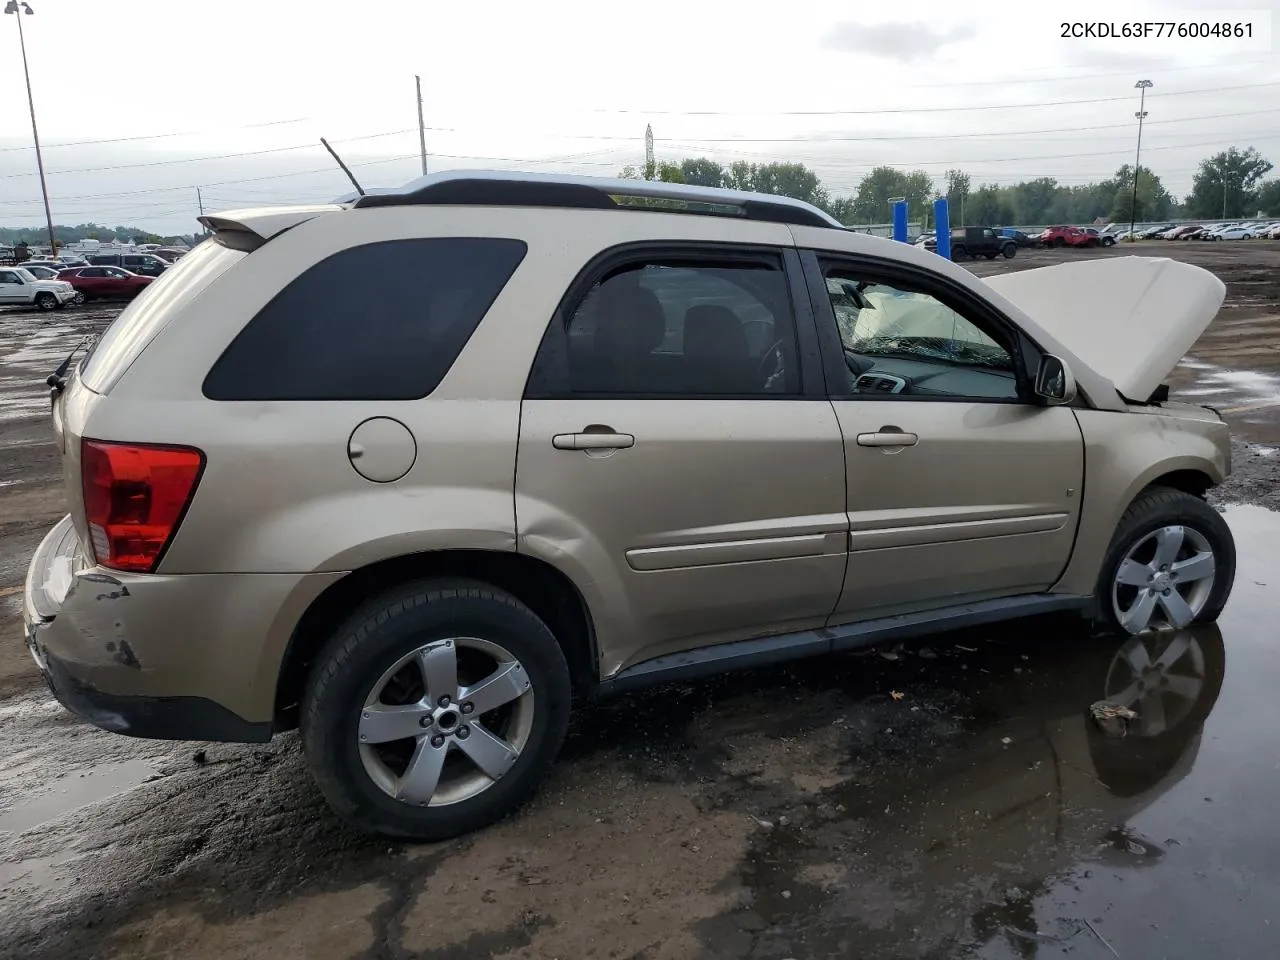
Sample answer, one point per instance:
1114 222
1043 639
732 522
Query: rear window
139 322
383 321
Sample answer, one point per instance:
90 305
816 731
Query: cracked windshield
569 481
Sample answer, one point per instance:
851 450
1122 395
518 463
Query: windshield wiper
57 380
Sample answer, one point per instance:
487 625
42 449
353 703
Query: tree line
1227 185
82 231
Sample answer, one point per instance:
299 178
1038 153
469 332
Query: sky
234 97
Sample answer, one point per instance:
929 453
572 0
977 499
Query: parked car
41 272
18 285
1180 233
977 242
105 283
1150 233
296 504
1018 237
143 264
1236 232
1066 236
1274 232
1102 239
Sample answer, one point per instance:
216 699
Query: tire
360 663
1138 539
1109 241
959 253
1058 242
79 298
1010 250
46 302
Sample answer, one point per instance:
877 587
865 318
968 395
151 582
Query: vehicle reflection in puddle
1003 821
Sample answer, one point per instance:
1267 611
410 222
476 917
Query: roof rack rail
503 188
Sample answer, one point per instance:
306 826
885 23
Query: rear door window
382 321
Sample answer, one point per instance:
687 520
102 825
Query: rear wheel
46 302
1171 563
1009 250
959 253
436 710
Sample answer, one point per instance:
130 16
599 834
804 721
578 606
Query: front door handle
887 437
592 441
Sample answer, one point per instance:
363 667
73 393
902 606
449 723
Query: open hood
1129 318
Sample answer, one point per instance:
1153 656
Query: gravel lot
801 812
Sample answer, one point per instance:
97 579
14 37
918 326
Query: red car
107 283
1061 236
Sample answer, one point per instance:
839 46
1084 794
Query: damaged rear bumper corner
171 657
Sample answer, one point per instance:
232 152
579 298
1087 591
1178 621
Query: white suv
19 286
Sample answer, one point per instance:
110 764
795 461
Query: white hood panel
1130 318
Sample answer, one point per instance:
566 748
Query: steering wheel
775 354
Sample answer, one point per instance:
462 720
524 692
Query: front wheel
78 298
1171 563
436 710
46 302
1009 251
1108 241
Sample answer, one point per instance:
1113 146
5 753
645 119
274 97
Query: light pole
13 7
1137 161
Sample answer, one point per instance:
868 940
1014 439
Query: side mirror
1054 383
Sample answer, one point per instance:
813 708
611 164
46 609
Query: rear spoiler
250 228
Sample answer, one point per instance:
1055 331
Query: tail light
134 498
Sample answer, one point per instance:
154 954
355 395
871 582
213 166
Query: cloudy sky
140 102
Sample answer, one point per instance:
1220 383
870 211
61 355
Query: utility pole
14 7
1224 190
650 168
1137 161
422 130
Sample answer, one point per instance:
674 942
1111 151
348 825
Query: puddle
980 812
76 789
34 875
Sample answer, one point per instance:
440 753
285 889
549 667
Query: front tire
1171 563
1009 250
46 302
437 709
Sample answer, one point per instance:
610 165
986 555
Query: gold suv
411 471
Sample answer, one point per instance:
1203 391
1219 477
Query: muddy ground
945 799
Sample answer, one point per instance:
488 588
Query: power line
896 110
155 136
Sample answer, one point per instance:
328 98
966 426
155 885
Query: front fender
1124 454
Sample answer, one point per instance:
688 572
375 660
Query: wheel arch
547 591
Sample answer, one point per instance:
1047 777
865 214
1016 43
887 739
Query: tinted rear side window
384 321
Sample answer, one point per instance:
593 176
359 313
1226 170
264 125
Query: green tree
990 206
1032 199
1269 198
1154 201
1226 184
957 192
702 172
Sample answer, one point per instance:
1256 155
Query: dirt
947 798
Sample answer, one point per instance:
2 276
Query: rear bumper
175 657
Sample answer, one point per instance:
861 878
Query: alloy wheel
446 721
1164 579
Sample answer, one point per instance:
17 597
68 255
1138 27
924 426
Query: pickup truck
981 242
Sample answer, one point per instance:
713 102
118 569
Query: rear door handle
887 438
592 441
